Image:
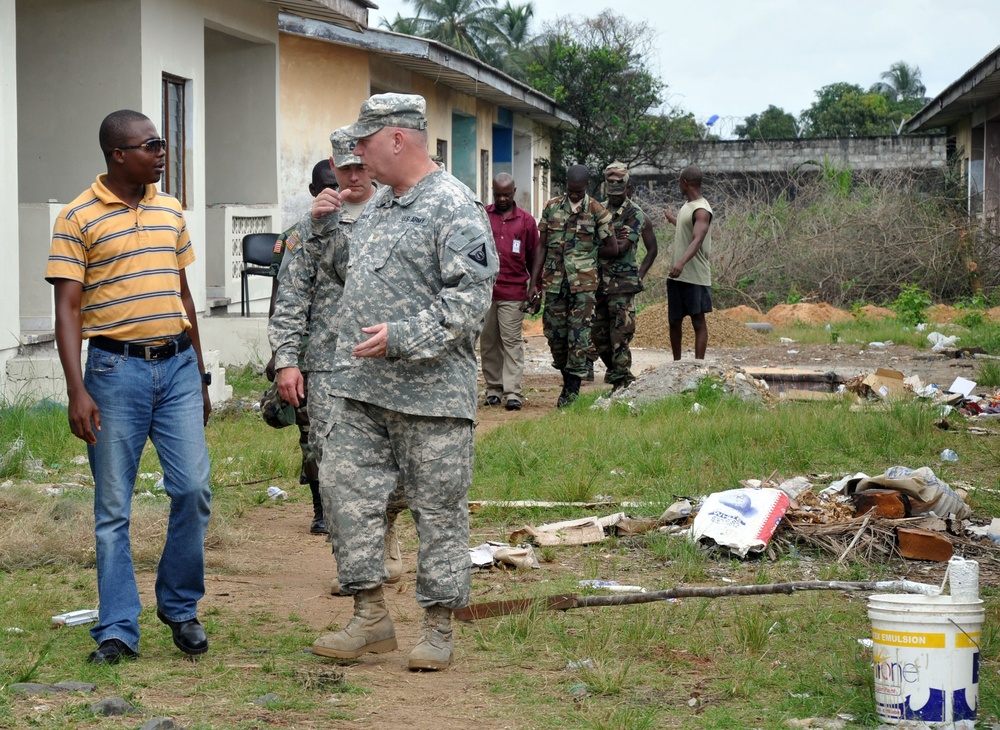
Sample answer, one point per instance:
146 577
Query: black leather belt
146 352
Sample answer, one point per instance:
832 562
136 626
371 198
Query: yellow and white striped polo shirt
129 262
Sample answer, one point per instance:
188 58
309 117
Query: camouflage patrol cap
389 110
615 178
343 149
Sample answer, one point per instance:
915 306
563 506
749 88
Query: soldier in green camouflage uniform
573 231
614 313
423 264
310 292
288 249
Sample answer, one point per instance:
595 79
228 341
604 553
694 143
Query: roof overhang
979 86
441 63
347 13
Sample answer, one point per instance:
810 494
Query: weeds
988 374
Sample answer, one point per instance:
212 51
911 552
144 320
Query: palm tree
399 24
901 82
513 37
466 25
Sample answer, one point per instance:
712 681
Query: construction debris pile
901 513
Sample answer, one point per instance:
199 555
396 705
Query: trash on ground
940 342
963 386
500 553
75 618
635 525
572 666
741 519
679 510
925 492
277 493
582 531
612 586
599 501
949 455
885 383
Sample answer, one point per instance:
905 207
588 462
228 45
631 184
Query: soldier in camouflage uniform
423 264
312 289
287 248
614 312
573 231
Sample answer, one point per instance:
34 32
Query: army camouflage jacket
424 263
309 294
620 275
571 243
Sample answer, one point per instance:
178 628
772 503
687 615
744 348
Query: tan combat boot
369 631
436 644
393 555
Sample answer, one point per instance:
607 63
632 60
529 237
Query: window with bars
173 130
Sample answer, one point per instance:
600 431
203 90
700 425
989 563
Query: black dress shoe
111 651
318 526
189 636
492 400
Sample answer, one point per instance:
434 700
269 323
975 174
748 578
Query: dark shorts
684 299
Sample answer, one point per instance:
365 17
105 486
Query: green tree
772 123
901 82
847 110
596 70
399 24
465 25
512 43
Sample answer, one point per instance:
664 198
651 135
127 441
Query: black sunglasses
157 144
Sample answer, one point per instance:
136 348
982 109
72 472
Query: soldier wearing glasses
117 262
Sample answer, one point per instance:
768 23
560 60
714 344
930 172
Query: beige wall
322 87
346 77
67 85
231 153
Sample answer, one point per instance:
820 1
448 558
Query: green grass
860 331
699 663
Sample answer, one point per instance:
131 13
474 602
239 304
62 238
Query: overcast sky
735 57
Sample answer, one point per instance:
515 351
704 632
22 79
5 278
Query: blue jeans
161 400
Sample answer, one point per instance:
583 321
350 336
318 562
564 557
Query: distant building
969 109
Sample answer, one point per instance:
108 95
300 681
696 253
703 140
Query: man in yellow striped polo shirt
117 263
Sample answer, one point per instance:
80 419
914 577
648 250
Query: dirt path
298 584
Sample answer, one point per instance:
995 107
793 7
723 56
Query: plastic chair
257 251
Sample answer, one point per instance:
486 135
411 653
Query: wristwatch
206 378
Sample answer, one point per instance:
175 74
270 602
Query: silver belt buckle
148 350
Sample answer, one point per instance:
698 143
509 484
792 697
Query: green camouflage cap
343 149
615 177
389 110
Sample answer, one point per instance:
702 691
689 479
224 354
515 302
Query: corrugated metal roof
348 13
979 86
440 63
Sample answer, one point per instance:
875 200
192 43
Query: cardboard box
885 383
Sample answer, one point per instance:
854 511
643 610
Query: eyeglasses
157 144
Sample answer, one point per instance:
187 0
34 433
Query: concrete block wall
789 155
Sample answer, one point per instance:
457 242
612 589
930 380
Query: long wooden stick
567 601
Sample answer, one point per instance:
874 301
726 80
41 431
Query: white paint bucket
926 658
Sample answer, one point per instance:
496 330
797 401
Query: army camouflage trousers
566 324
320 406
368 452
611 331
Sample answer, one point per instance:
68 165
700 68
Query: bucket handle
974 642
